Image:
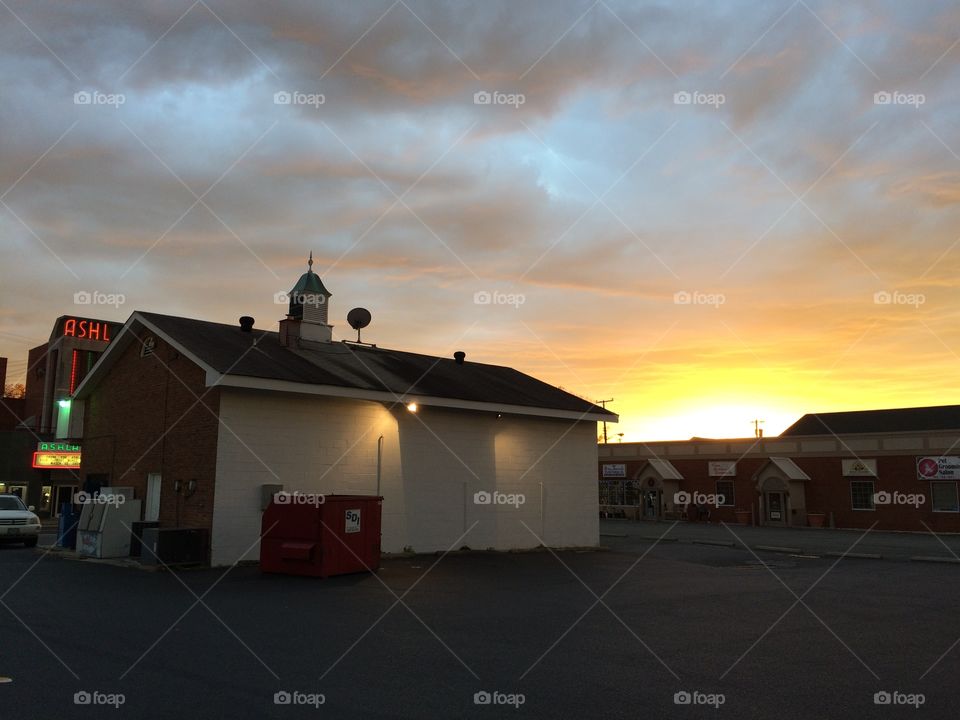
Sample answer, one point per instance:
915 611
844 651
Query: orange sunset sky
710 214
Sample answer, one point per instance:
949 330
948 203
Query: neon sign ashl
86 329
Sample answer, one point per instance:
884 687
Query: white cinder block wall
433 464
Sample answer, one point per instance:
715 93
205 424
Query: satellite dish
358 318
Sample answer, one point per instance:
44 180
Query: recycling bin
321 535
67 526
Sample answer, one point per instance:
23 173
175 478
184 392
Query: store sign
943 467
85 329
855 467
615 471
722 468
52 460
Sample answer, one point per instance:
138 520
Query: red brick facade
828 491
144 417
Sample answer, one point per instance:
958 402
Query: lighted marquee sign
86 329
52 455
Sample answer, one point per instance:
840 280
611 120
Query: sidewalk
633 535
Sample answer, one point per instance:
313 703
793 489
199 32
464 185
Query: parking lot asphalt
634 536
789 637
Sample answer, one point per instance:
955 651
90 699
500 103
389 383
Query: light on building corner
64 404
412 407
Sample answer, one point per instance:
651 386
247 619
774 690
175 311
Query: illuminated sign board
614 470
52 460
86 329
57 447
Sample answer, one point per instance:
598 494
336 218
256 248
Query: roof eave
119 343
269 384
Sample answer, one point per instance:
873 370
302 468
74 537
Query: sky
709 212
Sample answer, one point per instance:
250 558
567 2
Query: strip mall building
892 469
205 420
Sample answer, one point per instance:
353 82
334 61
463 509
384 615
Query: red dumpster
321 535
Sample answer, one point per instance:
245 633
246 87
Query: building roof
310 282
256 359
786 466
665 469
941 417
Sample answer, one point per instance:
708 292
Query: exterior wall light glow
64 404
412 407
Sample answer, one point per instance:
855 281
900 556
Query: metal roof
310 282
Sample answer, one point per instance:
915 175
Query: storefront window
861 494
619 492
944 496
725 493
606 487
45 497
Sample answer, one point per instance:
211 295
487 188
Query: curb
936 559
778 548
859 556
654 538
719 543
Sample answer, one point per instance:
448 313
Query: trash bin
320 535
67 526
136 535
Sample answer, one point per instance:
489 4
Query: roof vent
459 356
246 323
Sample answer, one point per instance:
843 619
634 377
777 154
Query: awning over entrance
659 484
781 483
787 467
664 469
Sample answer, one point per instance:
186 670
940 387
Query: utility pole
757 430
603 404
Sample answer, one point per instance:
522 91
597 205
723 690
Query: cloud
501 196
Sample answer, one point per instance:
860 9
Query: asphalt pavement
942 547
624 633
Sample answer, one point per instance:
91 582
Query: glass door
775 507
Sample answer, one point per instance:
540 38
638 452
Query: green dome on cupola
309 290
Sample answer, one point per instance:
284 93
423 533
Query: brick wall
35 384
144 418
828 491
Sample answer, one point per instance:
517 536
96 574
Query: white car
18 522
